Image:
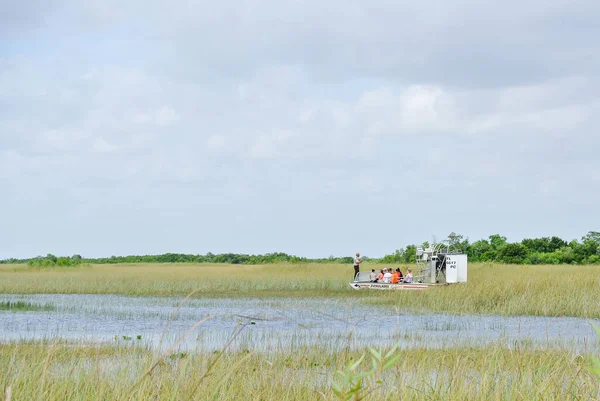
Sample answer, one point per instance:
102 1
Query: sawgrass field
55 369
556 290
61 371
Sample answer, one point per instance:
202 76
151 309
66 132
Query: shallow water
276 324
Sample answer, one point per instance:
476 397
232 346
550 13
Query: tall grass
213 280
514 290
21 306
563 290
64 371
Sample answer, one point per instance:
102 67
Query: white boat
439 264
388 286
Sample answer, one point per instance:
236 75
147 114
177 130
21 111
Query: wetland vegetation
128 368
101 372
539 290
21 306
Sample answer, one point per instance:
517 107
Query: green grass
562 290
59 370
513 290
66 371
20 306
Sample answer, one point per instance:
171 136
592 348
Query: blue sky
304 127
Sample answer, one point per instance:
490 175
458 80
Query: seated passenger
395 277
373 276
380 276
409 276
387 276
399 274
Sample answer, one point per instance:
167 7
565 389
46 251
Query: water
275 324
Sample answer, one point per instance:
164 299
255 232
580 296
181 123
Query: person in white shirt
387 276
357 263
409 277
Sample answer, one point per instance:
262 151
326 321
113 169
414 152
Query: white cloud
61 140
216 142
166 116
296 115
265 147
103 146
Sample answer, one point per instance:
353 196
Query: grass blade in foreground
75 372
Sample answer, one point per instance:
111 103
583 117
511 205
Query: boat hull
388 286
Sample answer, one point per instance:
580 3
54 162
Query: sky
307 127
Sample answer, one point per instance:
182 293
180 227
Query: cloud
102 146
21 17
277 125
216 142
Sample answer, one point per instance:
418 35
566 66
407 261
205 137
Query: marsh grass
59 267
66 371
55 369
21 306
563 290
513 290
207 280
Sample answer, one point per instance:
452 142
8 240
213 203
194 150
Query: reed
563 290
66 371
21 306
513 290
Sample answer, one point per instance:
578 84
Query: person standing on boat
357 263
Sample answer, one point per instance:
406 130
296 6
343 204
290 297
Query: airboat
440 264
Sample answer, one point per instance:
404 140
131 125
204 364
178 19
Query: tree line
531 251
228 258
546 250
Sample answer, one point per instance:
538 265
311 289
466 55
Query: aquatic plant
355 385
21 306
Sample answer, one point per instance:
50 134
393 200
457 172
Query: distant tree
544 244
63 262
593 236
565 255
410 253
545 250
512 253
593 260
396 257
536 244
480 251
457 241
557 243
591 241
497 241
